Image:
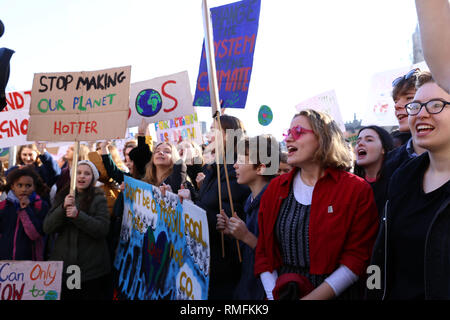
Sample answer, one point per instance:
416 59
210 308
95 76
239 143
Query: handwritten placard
179 129
235 28
161 98
163 252
14 119
30 280
80 106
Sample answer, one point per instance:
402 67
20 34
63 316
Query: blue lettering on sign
11 276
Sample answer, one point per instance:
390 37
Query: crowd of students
308 231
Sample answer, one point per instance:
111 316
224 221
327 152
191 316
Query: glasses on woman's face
433 106
410 74
296 132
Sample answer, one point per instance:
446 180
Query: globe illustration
148 102
265 116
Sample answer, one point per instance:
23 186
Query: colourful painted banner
14 119
179 129
80 106
30 280
235 28
163 252
161 98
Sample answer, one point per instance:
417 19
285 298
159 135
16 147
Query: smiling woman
418 208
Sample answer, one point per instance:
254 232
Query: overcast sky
303 47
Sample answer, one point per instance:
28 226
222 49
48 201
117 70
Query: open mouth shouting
291 150
361 153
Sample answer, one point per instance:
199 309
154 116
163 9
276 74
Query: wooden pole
215 107
73 174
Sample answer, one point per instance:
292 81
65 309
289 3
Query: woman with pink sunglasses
317 223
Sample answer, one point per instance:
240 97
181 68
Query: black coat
437 255
224 272
394 160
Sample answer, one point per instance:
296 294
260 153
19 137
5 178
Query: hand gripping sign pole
73 173
214 94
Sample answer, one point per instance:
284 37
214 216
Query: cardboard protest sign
14 119
381 107
325 102
163 252
80 106
162 98
30 280
182 128
235 28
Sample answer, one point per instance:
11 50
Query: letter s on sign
168 95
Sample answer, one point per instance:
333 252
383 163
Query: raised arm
434 23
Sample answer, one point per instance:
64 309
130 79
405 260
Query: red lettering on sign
168 95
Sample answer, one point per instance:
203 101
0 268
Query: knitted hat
93 168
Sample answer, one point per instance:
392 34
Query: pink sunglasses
296 132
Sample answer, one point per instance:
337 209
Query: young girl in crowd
166 169
256 177
372 145
36 156
22 215
64 178
317 223
412 247
82 223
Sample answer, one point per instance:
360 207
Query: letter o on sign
188 287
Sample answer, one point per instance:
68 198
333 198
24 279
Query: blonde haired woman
317 223
165 169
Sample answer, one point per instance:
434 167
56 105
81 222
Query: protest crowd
304 219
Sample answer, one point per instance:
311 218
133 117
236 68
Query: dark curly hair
29 171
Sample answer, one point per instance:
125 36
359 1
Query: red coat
342 228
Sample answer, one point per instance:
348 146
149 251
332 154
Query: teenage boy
256 178
403 91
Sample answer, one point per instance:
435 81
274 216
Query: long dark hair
386 142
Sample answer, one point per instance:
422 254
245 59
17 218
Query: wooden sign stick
215 103
73 170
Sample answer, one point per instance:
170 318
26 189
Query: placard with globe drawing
161 98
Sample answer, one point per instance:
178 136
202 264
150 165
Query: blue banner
235 28
163 252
